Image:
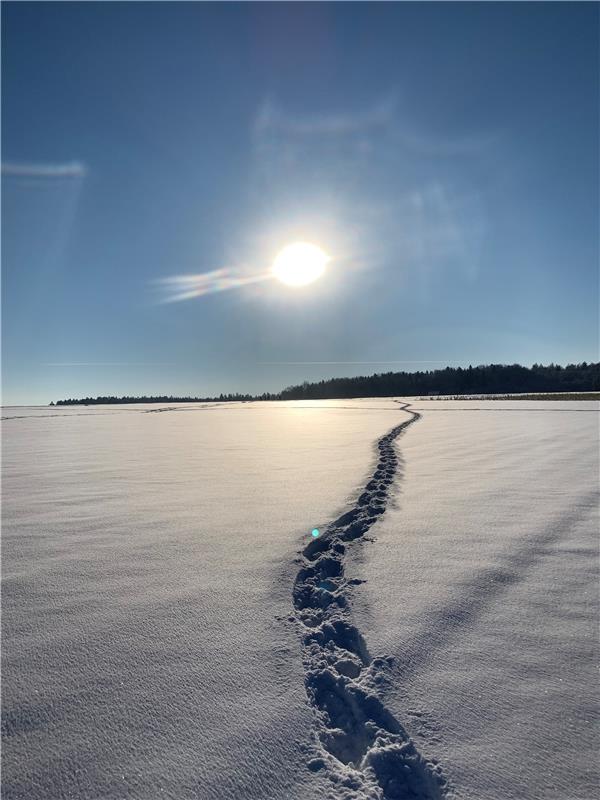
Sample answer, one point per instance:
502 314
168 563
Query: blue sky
444 155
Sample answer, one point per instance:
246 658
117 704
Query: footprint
353 726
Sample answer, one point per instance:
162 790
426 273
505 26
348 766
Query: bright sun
299 263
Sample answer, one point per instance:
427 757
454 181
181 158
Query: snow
165 637
482 588
148 563
368 754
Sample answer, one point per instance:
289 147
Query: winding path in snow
366 752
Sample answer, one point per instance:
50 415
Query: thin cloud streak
272 118
71 169
186 287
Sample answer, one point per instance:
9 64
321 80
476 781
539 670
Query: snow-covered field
171 629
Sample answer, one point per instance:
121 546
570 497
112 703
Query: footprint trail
365 751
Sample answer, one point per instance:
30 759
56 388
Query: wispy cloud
71 169
397 192
272 118
185 287
441 225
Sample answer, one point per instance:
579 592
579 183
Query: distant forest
162 398
490 379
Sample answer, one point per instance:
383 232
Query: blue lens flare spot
315 532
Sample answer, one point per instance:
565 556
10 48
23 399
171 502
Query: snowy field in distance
148 564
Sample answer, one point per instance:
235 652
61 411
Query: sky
445 156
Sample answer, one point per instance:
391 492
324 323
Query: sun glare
299 263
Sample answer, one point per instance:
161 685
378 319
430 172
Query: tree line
162 398
482 379
488 379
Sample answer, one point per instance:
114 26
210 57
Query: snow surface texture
482 588
153 598
148 566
